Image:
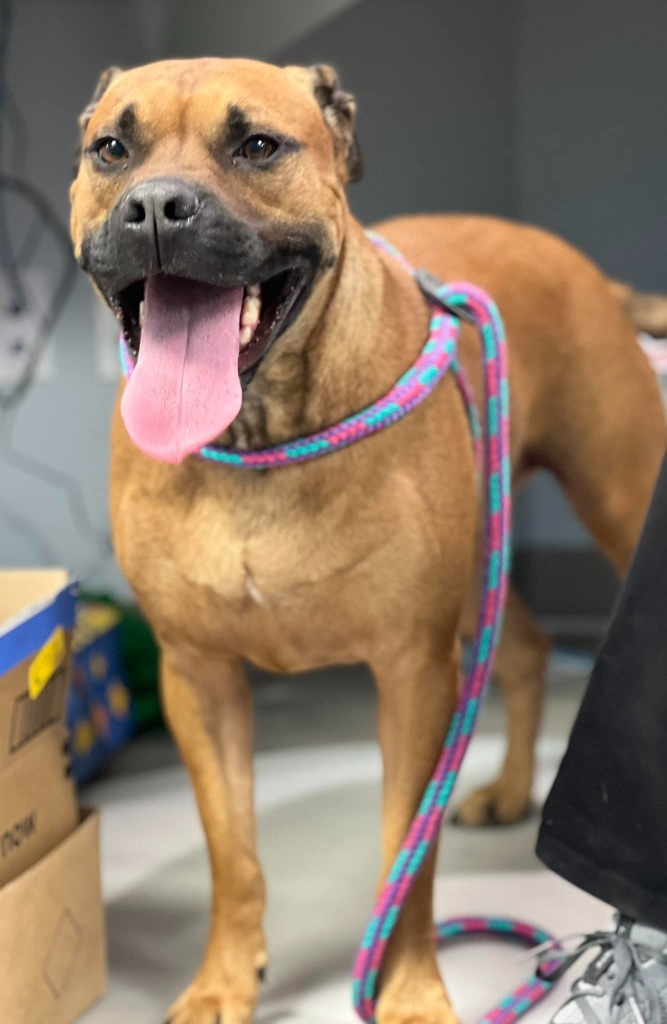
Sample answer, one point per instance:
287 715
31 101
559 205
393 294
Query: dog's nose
161 203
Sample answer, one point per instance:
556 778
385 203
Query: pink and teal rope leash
524 997
423 832
450 303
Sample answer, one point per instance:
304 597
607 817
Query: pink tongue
185 388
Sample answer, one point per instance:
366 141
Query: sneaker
625 984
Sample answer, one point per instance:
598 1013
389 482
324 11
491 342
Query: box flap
33 603
22 589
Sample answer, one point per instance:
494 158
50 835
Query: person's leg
604 825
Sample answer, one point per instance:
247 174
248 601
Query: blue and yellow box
99 711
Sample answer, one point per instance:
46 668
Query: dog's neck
360 331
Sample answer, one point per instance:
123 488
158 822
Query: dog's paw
413 1018
226 988
438 1013
414 994
197 1010
204 1005
497 804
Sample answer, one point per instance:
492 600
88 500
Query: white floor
318 833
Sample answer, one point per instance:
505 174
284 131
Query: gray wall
591 97
551 110
591 161
436 119
58 49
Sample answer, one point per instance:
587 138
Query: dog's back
585 402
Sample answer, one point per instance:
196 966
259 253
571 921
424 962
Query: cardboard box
37 798
37 610
38 806
52 942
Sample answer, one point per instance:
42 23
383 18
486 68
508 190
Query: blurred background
551 112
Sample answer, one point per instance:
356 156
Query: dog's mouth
265 312
193 345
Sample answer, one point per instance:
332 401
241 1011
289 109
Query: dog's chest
287 589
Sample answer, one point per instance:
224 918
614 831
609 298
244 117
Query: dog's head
208 205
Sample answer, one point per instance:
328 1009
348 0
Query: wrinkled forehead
207 97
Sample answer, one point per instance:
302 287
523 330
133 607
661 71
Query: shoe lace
617 949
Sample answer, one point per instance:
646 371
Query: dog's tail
647 312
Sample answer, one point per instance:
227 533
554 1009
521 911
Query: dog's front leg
209 708
417 694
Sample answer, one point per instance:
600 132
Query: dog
209 210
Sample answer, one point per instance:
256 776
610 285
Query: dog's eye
110 150
258 148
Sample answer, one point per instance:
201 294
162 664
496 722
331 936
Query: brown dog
233 173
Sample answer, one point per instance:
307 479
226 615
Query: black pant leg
604 825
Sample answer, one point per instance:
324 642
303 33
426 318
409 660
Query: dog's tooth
245 335
250 312
141 313
253 289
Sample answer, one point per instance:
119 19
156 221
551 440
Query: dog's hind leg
209 709
603 430
520 664
612 494
604 443
417 694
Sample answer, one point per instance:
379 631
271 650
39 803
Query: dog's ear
339 109
105 80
